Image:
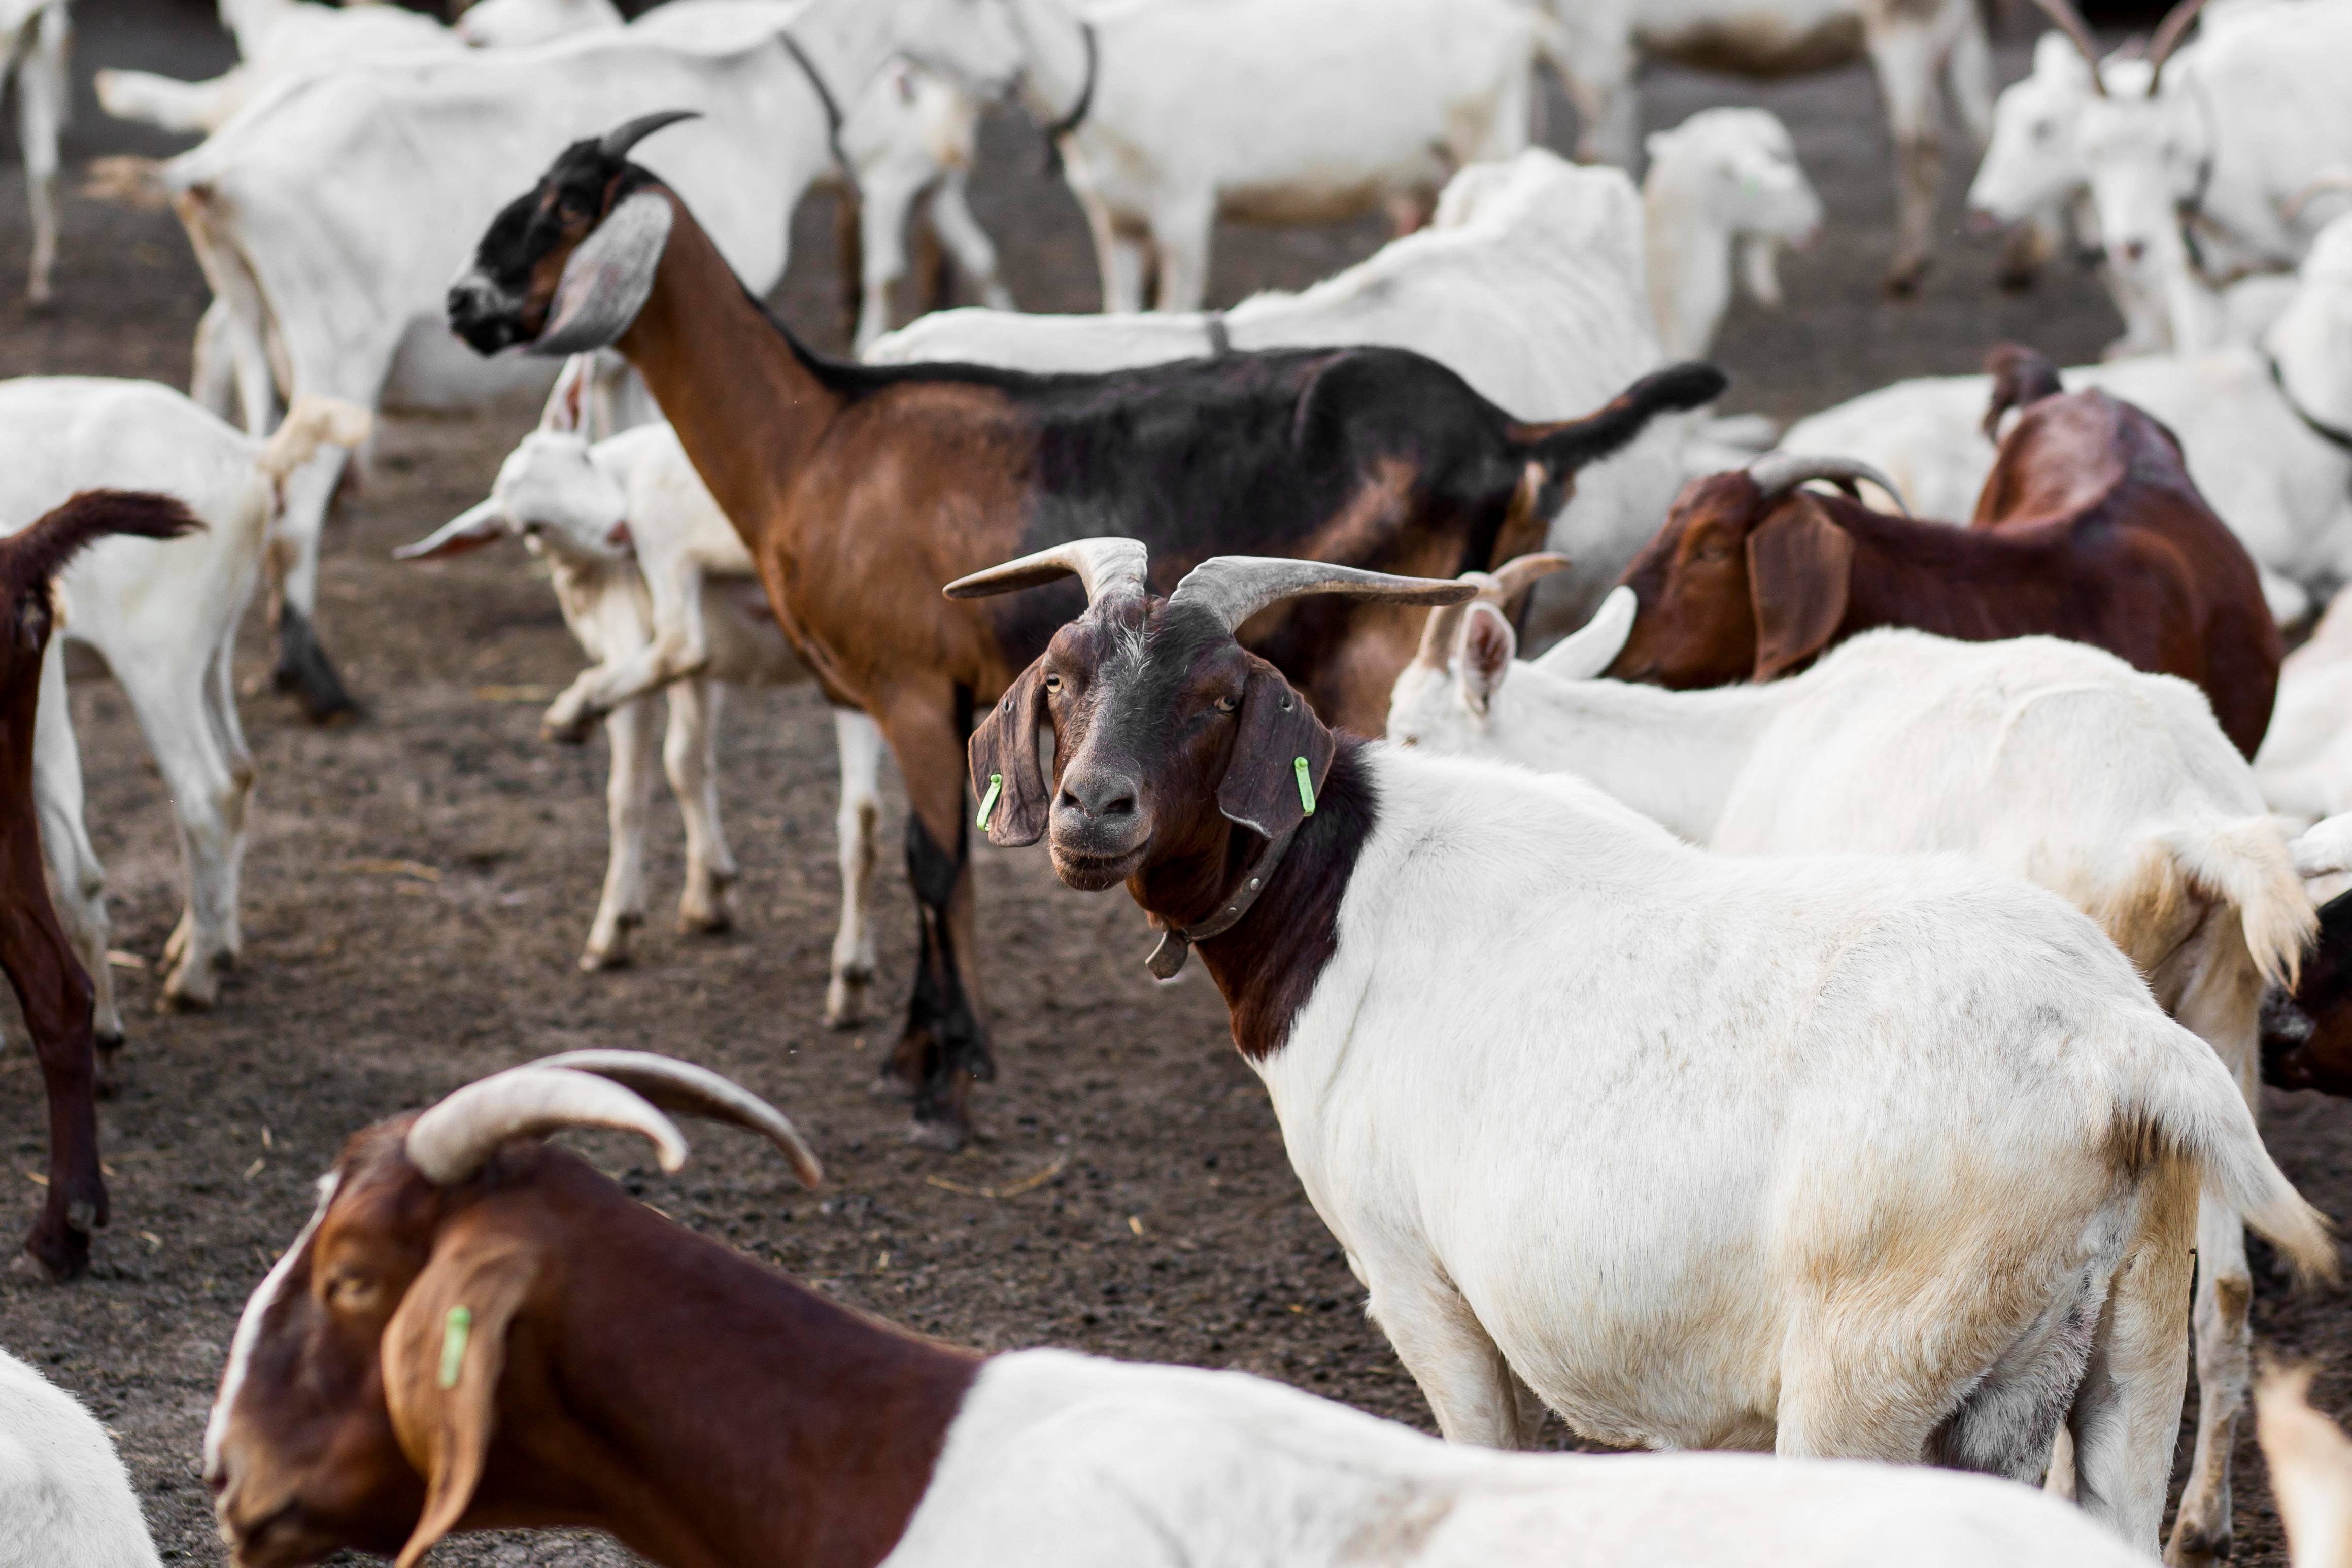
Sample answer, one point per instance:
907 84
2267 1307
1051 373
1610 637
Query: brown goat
51 986
2089 528
859 489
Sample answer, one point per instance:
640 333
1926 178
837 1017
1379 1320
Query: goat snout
479 313
1098 830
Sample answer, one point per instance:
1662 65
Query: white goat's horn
1235 587
450 1142
2332 181
686 1089
1102 564
2168 34
2070 22
1777 473
1506 582
1520 573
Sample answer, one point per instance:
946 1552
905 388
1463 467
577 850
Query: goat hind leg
41 104
1904 56
690 753
208 799
860 745
628 803
1470 1387
77 878
2201 1527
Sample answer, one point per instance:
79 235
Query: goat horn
1445 624
684 1089
2335 180
1520 573
1777 473
451 1141
1235 587
1102 564
2070 22
1506 582
2168 34
621 138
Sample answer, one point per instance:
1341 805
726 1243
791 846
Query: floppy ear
567 403
1488 645
608 277
1261 787
443 1353
1006 777
1799 566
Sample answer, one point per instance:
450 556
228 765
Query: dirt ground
1169 1226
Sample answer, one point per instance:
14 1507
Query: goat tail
2187 1104
38 552
1570 444
127 181
2247 864
313 422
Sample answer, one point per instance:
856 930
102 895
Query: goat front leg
1181 233
1470 1387
679 650
690 753
1905 57
41 101
55 993
959 231
886 203
859 745
208 797
628 802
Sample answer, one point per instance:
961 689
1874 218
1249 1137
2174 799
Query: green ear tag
988 801
461 1323
1305 786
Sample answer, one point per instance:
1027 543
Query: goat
304 210
2305 763
857 487
2265 428
2210 158
1724 182
660 592
1845 1156
63 1489
1528 284
514 24
163 616
2089 528
52 985
2311 1470
275 40
33 38
2307 1030
1166 118
394 1380
1910 45
1900 743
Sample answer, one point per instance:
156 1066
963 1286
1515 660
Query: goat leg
57 998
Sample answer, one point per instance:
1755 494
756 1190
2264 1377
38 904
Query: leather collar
2334 436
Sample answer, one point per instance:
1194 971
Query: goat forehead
1143 663
250 1326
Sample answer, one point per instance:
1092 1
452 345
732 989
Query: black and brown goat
860 489
51 986
2088 528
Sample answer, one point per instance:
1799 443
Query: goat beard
1096 873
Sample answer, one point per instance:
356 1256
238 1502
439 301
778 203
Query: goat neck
1686 257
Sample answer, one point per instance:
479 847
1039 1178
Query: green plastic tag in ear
988 801
461 1323
1305 786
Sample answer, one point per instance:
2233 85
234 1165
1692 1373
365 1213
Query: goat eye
1227 704
351 1291
1053 682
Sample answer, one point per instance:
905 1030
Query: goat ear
443 1354
1261 787
608 279
1799 566
1006 776
567 405
1488 645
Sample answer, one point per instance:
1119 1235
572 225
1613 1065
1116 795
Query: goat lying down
659 590
1871 1157
392 1381
2055 761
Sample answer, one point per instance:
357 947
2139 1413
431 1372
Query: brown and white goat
51 986
2088 528
859 489
477 1331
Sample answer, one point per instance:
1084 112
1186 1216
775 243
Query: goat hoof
1903 283
55 1252
2016 280
706 921
191 989
2197 1546
110 1076
947 1137
888 1085
595 962
570 729
844 1006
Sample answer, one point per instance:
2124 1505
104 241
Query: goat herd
1954 881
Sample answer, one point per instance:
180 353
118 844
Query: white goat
2311 1470
1911 43
63 1490
1723 184
1902 742
1285 112
1528 284
512 24
2305 761
2267 431
306 209
1870 1156
163 616
276 39
34 36
659 588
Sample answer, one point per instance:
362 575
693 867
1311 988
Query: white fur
1064 1462
2305 761
1270 112
34 38
2053 762
514 24
659 590
163 615
1528 284
64 1494
1722 184
2283 492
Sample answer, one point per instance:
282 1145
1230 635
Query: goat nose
2133 250
1100 795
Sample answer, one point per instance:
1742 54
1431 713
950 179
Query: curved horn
2070 22
617 142
2168 34
1235 587
1777 473
1102 564
450 1142
2335 180
1519 573
686 1090
1444 628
